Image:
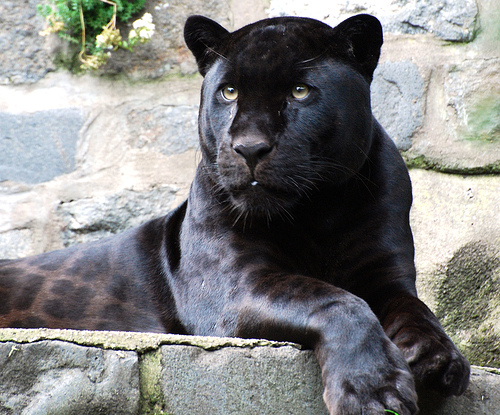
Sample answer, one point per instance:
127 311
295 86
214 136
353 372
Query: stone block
472 94
25 58
181 375
453 20
448 19
462 126
398 100
472 321
164 129
97 217
482 397
60 378
16 243
243 381
31 56
39 146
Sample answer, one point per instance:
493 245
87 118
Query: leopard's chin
257 202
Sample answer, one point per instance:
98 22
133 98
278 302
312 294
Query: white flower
145 21
143 29
146 34
101 41
132 34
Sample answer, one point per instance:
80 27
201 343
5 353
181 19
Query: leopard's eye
300 91
229 93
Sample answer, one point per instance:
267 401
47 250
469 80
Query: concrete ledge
74 372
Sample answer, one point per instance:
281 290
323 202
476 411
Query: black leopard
296 226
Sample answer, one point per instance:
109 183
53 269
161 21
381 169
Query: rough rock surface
28 59
96 218
60 378
241 381
40 146
167 130
448 19
166 53
65 372
398 100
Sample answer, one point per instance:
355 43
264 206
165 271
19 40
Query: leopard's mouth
254 188
256 199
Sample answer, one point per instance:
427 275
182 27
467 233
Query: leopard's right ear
203 37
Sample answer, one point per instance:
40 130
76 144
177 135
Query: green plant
92 25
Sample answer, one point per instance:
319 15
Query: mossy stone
469 302
152 401
484 120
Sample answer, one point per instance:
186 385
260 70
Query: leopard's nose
252 153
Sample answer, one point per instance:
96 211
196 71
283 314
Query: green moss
152 401
425 163
483 350
465 292
484 121
467 297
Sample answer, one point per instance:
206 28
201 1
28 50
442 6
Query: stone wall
65 372
86 156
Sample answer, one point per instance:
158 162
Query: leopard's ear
361 37
203 37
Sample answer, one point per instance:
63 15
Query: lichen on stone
469 302
152 401
483 121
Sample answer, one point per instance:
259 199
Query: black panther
296 226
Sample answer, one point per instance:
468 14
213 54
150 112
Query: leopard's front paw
380 385
434 360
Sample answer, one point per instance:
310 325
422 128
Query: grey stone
482 397
454 20
16 243
462 127
165 129
37 147
62 372
472 90
31 56
24 55
95 218
398 100
241 381
59 378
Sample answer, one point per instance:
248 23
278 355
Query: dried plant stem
84 58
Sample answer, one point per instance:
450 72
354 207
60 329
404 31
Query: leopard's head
285 106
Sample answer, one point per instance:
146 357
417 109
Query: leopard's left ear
203 36
362 38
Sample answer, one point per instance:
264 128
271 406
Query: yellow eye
300 91
230 93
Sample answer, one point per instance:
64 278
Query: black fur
296 227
